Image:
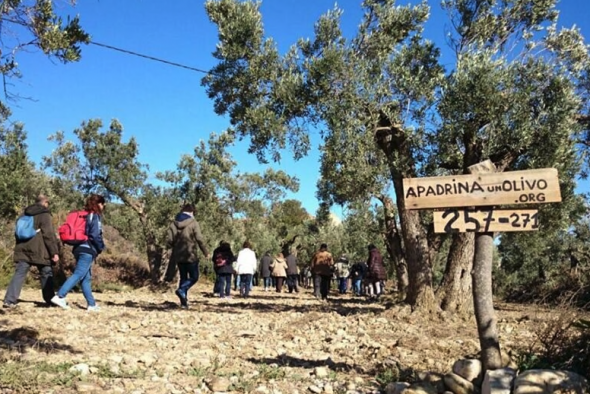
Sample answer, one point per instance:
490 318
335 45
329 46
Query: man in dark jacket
321 267
183 237
223 259
41 251
292 273
265 263
358 272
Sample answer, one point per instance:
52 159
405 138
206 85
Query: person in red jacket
375 272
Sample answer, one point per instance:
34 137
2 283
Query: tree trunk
398 150
455 289
393 242
420 294
482 291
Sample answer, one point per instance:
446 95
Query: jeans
322 285
246 284
292 283
18 279
356 284
342 285
237 282
267 282
224 284
189 275
83 275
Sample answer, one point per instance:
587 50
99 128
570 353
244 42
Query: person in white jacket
245 267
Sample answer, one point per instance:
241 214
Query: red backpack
73 231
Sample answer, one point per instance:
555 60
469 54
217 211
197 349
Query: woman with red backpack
223 258
85 254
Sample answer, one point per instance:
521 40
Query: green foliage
35 25
27 376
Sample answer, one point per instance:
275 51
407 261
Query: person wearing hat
342 273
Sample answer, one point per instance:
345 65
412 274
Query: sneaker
61 302
94 308
185 306
8 305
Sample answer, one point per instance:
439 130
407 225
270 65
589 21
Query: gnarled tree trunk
454 292
393 242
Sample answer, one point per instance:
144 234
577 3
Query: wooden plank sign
515 187
483 221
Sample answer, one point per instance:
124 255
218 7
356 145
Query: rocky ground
142 342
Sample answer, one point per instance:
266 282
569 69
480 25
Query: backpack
220 259
73 231
25 228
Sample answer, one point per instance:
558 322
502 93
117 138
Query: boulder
420 388
498 381
469 369
544 381
219 384
395 387
458 384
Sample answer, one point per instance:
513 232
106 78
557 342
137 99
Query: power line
149 57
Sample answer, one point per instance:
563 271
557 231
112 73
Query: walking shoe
182 297
8 305
94 308
61 302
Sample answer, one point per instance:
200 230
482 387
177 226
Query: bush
562 343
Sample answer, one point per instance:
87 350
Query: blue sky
164 107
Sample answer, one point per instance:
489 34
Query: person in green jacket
41 252
184 234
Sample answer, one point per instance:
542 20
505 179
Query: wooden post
482 289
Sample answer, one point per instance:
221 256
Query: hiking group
38 246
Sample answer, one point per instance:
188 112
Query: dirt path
141 342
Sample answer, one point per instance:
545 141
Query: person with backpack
85 253
245 267
36 246
223 258
183 237
358 272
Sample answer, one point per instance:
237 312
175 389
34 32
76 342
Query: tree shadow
23 338
285 360
342 308
147 306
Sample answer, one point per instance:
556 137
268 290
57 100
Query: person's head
280 255
371 247
224 245
247 245
323 247
42 199
188 209
95 203
344 258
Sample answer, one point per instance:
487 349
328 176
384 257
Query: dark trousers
292 283
245 284
189 275
321 285
279 281
18 279
224 284
342 285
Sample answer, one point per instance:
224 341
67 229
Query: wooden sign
483 221
515 187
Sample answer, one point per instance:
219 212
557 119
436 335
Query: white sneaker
94 308
61 302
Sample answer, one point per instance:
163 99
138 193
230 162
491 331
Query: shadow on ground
23 338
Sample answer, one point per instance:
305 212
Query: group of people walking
183 237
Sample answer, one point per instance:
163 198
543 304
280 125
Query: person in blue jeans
223 258
85 254
183 237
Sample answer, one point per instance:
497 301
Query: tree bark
455 290
392 141
482 291
393 241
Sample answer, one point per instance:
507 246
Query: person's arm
49 238
95 233
170 236
198 236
